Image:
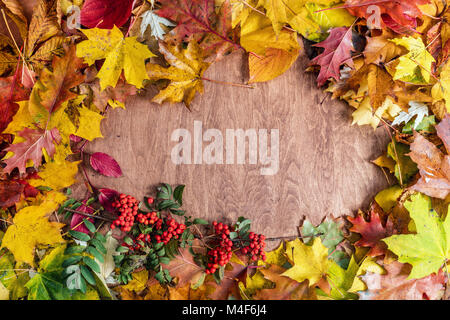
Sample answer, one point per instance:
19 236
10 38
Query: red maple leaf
399 15
338 50
31 148
104 14
11 91
372 231
198 20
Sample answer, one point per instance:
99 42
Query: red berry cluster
128 207
221 255
256 247
150 218
174 230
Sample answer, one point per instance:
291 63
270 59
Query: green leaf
122 249
164 260
87 275
79 235
93 251
89 225
178 194
74 250
427 250
70 261
92 264
200 221
100 247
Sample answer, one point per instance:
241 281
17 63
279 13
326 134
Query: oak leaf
32 148
185 73
338 50
119 53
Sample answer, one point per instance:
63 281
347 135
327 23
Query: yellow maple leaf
120 53
139 281
416 63
308 262
441 90
31 228
89 127
185 73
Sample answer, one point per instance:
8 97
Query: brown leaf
434 166
380 50
394 285
381 85
285 288
10 192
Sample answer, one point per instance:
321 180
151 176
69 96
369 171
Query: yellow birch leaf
120 53
31 228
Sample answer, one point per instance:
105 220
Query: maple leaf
32 148
395 285
418 110
11 91
119 53
434 166
429 248
372 231
54 86
198 20
338 50
31 228
185 73
380 50
89 124
415 66
285 288
394 14
308 262
105 14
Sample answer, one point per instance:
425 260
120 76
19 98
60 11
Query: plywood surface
324 161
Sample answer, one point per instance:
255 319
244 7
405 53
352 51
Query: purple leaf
106 165
77 219
107 197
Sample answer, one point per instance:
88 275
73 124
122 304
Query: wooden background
324 161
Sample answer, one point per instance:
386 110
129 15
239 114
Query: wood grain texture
324 161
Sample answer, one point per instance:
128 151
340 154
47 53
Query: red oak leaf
372 231
338 50
31 148
198 20
11 91
434 165
105 164
104 14
399 15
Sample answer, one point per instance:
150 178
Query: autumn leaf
416 65
55 86
380 50
284 288
89 124
119 53
31 228
105 164
197 20
392 13
105 14
428 249
11 91
10 192
185 73
308 262
433 165
395 285
338 50
373 230
152 20
32 148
